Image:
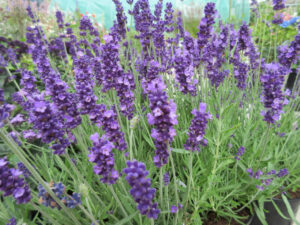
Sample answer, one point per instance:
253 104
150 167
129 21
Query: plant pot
273 217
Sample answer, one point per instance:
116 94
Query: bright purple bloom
272 96
26 173
174 209
282 172
59 190
166 179
59 19
141 190
240 152
278 4
206 26
163 117
213 57
12 184
4 109
119 27
12 221
197 128
278 19
101 154
184 72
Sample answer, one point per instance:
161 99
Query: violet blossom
141 190
197 128
12 184
163 117
101 154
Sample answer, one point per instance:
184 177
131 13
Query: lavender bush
146 125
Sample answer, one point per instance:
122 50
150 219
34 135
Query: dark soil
212 219
291 195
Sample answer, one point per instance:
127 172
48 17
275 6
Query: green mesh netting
105 9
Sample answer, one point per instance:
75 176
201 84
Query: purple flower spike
240 152
101 154
174 209
278 4
12 184
272 95
59 190
205 27
282 172
184 71
163 117
166 179
141 190
12 221
197 129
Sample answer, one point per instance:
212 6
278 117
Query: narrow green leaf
289 209
125 220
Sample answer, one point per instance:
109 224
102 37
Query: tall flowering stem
101 154
141 190
197 129
163 117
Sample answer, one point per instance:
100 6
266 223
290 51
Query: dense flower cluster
163 117
12 184
166 179
26 173
115 77
272 95
290 54
240 152
184 72
278 4
12 221
101 154
59 191
268 177
141 190
119 26
197 129
206 26
213 56
4 109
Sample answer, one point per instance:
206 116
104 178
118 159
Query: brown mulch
291 195
212 219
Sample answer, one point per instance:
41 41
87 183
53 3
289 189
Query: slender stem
161 186
189 179
118 200
175 181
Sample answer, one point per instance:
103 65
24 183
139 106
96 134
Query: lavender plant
152 128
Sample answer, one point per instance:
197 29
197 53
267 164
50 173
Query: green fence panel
105 9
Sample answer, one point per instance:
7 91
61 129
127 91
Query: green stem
175 181
118 200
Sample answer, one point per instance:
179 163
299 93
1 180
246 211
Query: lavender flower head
12 184
166 179
101 154
59 190
240 152
163 117
12 221
141 190
272 96
278 4
197 128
